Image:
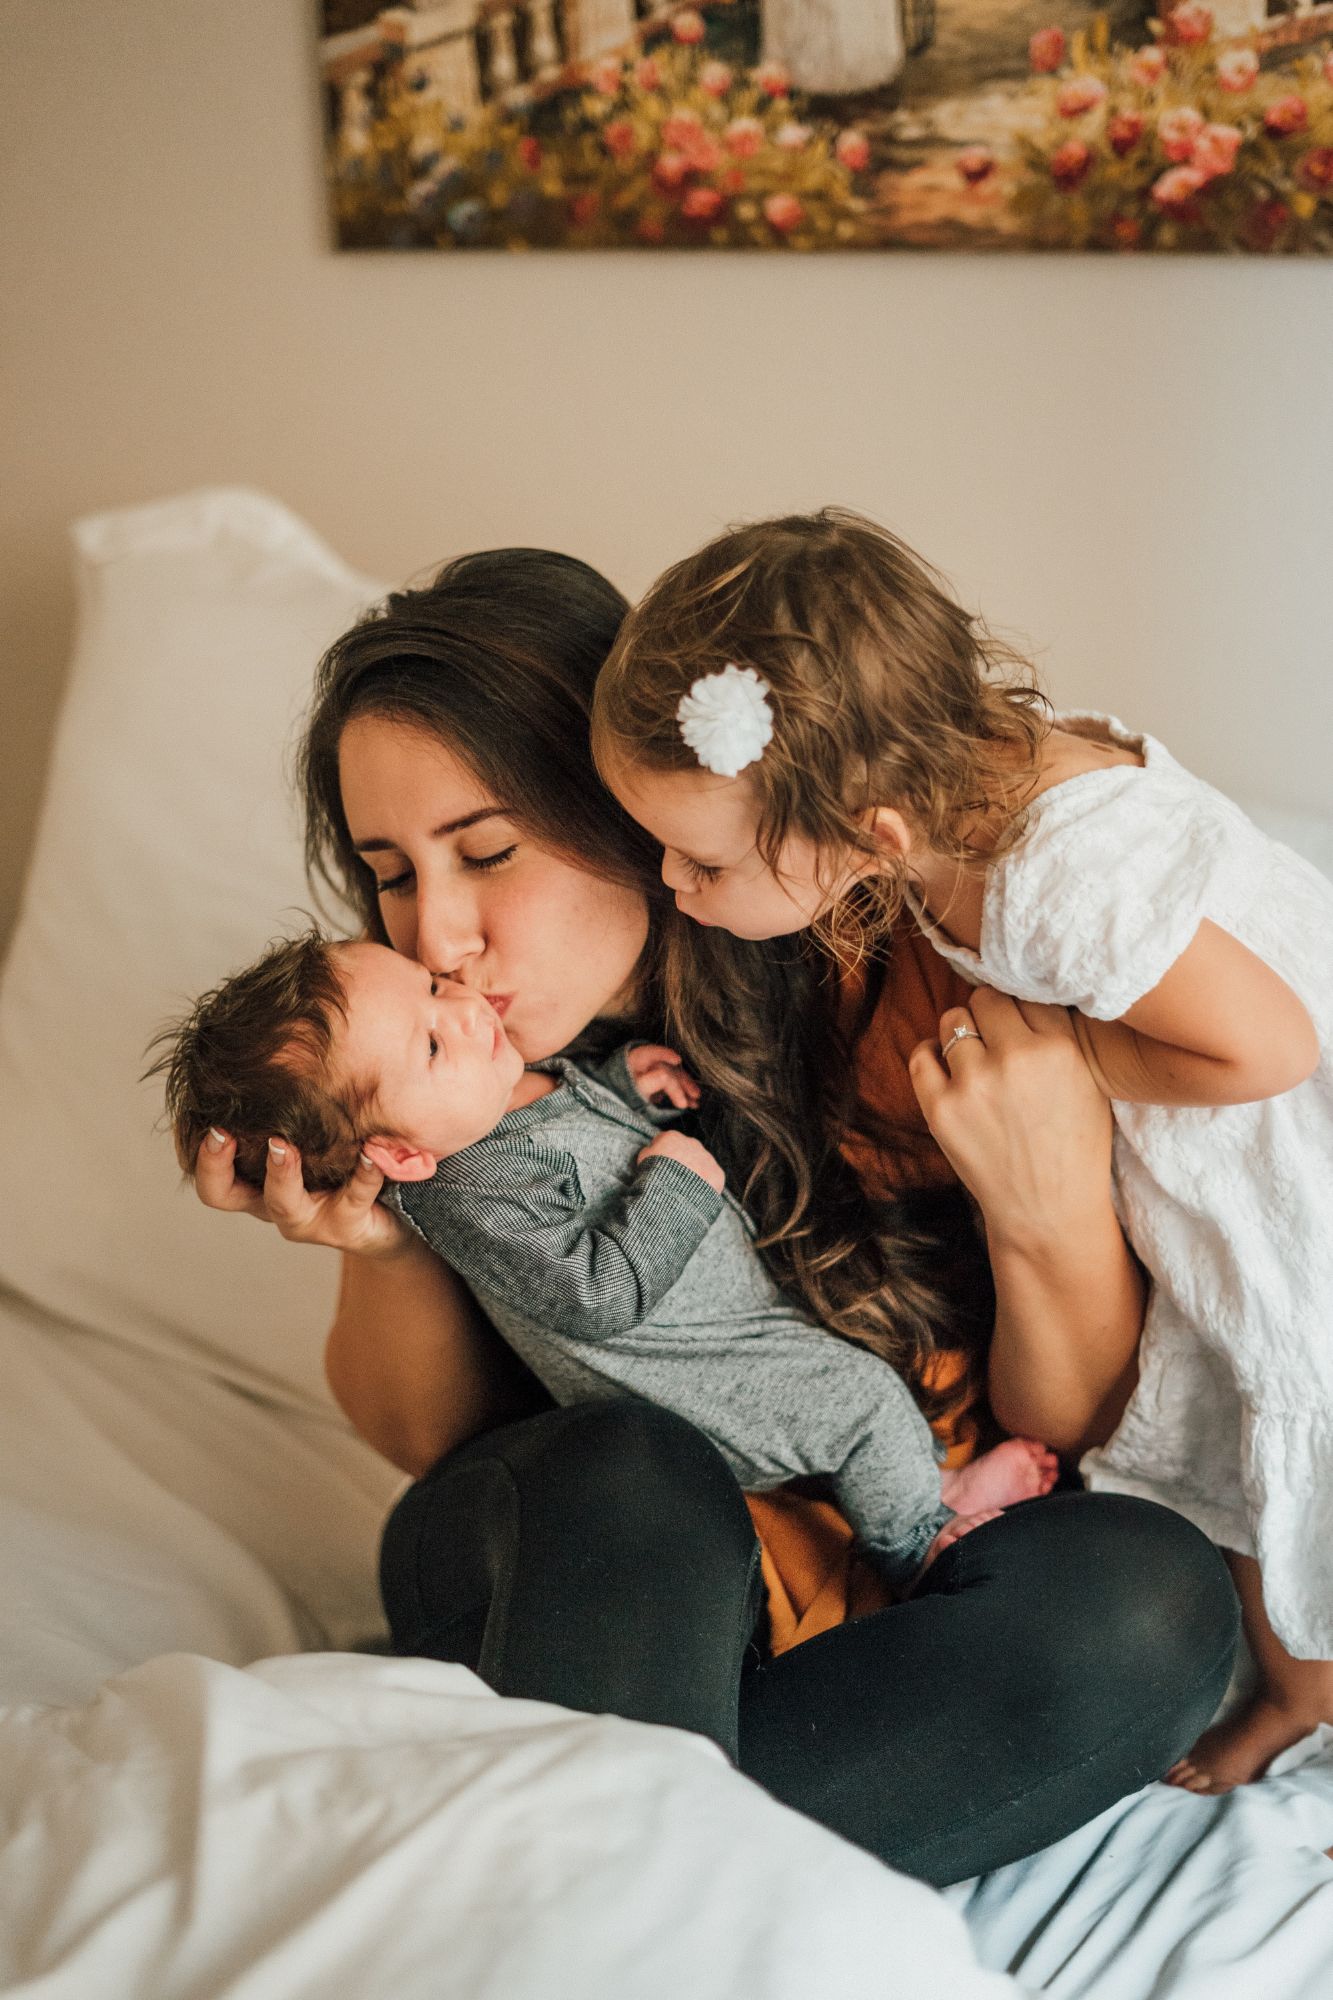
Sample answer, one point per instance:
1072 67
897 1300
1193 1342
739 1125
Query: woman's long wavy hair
498 658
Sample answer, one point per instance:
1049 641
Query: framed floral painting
831 124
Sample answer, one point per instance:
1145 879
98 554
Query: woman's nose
449 933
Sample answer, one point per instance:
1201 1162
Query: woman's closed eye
398 885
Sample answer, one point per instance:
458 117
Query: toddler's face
707 827
444 1068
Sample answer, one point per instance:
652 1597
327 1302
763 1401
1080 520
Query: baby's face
443 1066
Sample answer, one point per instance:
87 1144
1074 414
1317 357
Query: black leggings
602 1557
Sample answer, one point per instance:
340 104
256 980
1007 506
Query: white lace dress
1231 1208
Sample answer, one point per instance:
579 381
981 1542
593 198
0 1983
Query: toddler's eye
700 870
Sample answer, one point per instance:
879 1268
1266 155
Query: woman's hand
350 1219
1018 1114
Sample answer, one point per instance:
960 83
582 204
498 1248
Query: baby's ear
399 1160
890 830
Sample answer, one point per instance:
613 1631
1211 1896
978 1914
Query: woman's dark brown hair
498 658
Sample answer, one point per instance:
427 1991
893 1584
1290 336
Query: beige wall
1132 463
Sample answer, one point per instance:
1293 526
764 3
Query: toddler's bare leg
1018 1469
1293 1697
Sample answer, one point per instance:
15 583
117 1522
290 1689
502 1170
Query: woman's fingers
285 1194
215 1179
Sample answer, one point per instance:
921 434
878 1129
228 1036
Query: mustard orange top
813 1579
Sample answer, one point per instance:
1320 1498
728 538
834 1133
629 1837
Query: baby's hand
689 1153
659 1072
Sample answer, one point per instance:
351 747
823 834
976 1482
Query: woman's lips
500 1001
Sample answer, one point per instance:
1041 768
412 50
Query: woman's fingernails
278 1152
216 1140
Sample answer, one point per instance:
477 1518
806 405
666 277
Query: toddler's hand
689 1153
659 1072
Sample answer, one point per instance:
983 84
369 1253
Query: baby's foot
1237 1751
953 1531
1018 1469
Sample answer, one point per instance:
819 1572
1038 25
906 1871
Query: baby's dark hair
253 1058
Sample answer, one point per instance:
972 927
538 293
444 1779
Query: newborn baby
603 1245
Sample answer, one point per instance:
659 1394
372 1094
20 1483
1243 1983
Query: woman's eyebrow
438 832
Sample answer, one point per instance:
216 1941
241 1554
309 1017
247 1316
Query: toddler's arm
1220 1028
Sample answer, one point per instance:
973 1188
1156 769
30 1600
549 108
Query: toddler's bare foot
1018 1469
1237 1751
953 1531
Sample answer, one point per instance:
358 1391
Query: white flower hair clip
726 719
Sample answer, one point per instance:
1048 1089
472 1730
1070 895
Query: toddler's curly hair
885 692
253 1057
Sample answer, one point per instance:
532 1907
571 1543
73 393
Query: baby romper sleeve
1105 890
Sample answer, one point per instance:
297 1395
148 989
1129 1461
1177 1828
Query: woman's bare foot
1237 1751
1018 1469
953 1531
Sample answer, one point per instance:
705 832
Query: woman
601 1556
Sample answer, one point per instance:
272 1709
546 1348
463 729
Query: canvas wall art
799 125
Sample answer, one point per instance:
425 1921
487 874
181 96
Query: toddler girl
800 710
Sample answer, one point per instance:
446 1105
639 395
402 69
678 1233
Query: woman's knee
1167 1593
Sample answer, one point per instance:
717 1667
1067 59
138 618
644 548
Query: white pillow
168 853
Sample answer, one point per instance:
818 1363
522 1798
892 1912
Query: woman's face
467 891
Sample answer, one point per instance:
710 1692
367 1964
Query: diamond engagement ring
959 1035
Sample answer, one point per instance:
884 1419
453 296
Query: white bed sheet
340 1828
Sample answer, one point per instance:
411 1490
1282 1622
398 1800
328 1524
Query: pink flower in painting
669 172
1079 94
1125 232
1147 65
715 79
701 204
1069 164
605 75
732 181
650 229
1188 22
620 138
1177 187
976 164
851 149
530 153
704 154
1237 69
1177 130
688 27
1317 167
772 79
1123 132
783 212
680 129
1287 114
1046 50
648 73
1267 221
1215 150
584 208
793 138
743 138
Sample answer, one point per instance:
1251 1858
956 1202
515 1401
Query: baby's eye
700 870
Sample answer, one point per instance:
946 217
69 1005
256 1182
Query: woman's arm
409 1357
1026 1129
1220 1028
413 1363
